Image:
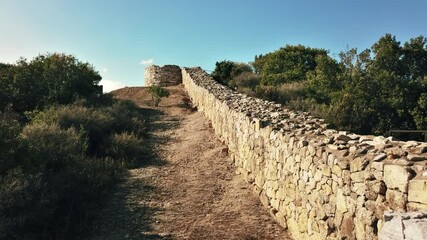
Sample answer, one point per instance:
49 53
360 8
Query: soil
188 189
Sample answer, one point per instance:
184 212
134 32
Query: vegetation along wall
317 182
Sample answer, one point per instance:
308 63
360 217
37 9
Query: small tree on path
157 93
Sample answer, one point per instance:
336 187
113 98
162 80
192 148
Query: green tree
222 72
415 58
45 80
288 64
324 80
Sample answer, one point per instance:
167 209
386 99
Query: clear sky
119 37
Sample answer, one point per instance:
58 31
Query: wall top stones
168 75
306 127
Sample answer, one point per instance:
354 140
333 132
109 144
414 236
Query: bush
245 80
50 147
58 161
57 168
127 118
20 199
284 93
9 132
54 189
96 124
127 148
157 93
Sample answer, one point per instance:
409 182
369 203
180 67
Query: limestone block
396 199
347 226
417 191
397 177
336 170
264 199
357 177
341 202
415 229
358 164
293 228
412 206
326 170
359 188
318 175
359 226
306 162
371 195
302 221
379 166
281 219
400 226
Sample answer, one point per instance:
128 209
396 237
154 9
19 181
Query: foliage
126 146
157 93
60 165
10 128
45 80
59 159
372 91
288 64
226 71
222 72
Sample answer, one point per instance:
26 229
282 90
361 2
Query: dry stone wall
317 182
168 75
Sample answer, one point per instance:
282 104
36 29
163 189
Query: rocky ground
188 190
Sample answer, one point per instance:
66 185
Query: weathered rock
347 226
415 157
392 228
396 177
379 157
341 202
396 199
358 164
417 191
415 229
401 226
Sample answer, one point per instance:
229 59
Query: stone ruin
168 75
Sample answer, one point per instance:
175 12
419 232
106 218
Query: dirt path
189 191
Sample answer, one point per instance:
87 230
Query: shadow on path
127 213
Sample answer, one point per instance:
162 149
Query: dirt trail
189 191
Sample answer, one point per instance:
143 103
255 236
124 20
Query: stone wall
317 182
168 75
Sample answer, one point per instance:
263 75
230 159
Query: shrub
9 132
284 93
48 146
127 118
157 93
245 80
95 123
127 148
20 198
54 194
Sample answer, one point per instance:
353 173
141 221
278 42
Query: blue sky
119 37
